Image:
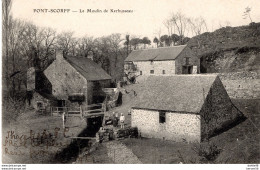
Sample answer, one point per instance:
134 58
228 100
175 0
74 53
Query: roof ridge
186 75
159 48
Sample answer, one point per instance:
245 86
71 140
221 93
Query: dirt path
120 154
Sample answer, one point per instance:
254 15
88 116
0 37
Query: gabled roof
46 95
88 68
156 54
180 93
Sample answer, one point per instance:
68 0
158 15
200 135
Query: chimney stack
90 55
59 55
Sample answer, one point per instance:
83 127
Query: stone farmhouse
189 108
68 81
77 80
162 61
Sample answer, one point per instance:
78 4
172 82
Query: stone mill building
183 108
77 79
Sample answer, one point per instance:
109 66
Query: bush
12 108
207 151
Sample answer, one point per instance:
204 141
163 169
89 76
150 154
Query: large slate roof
180 93
88 68
156 54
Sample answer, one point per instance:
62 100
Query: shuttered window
162 118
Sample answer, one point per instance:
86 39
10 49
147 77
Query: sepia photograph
130 82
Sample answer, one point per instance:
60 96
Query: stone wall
181 60
65 79
47 103
178 126
244 85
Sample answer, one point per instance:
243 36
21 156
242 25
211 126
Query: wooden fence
85 111
69 111
94 110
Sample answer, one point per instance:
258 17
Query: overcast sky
147 16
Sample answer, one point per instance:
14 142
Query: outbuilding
183 108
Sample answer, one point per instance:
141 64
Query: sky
145 20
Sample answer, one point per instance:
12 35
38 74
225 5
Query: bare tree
85 45
157 33
14 37
198 25
32 40
181 22
169 25
6 7
114 41
247 13
64 41
48 46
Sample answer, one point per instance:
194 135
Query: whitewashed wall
178 126
157 66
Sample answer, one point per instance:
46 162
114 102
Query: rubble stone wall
177 127
245 85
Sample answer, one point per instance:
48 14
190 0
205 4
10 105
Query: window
163 72
162 117
135 67
151 71
141 72
39 105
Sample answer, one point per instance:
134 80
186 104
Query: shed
183 107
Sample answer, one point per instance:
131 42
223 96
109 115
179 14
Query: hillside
228 49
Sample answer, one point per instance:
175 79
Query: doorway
187 69
61 103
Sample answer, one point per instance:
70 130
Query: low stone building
77 80
162 61
43 102
183 108
38 92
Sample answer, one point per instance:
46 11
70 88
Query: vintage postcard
130 82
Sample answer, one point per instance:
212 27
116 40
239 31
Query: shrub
207 151
12 108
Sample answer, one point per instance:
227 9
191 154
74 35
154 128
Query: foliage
207 151
12 108
27 45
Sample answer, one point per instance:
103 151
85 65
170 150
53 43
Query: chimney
90 55
31 76
59 55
